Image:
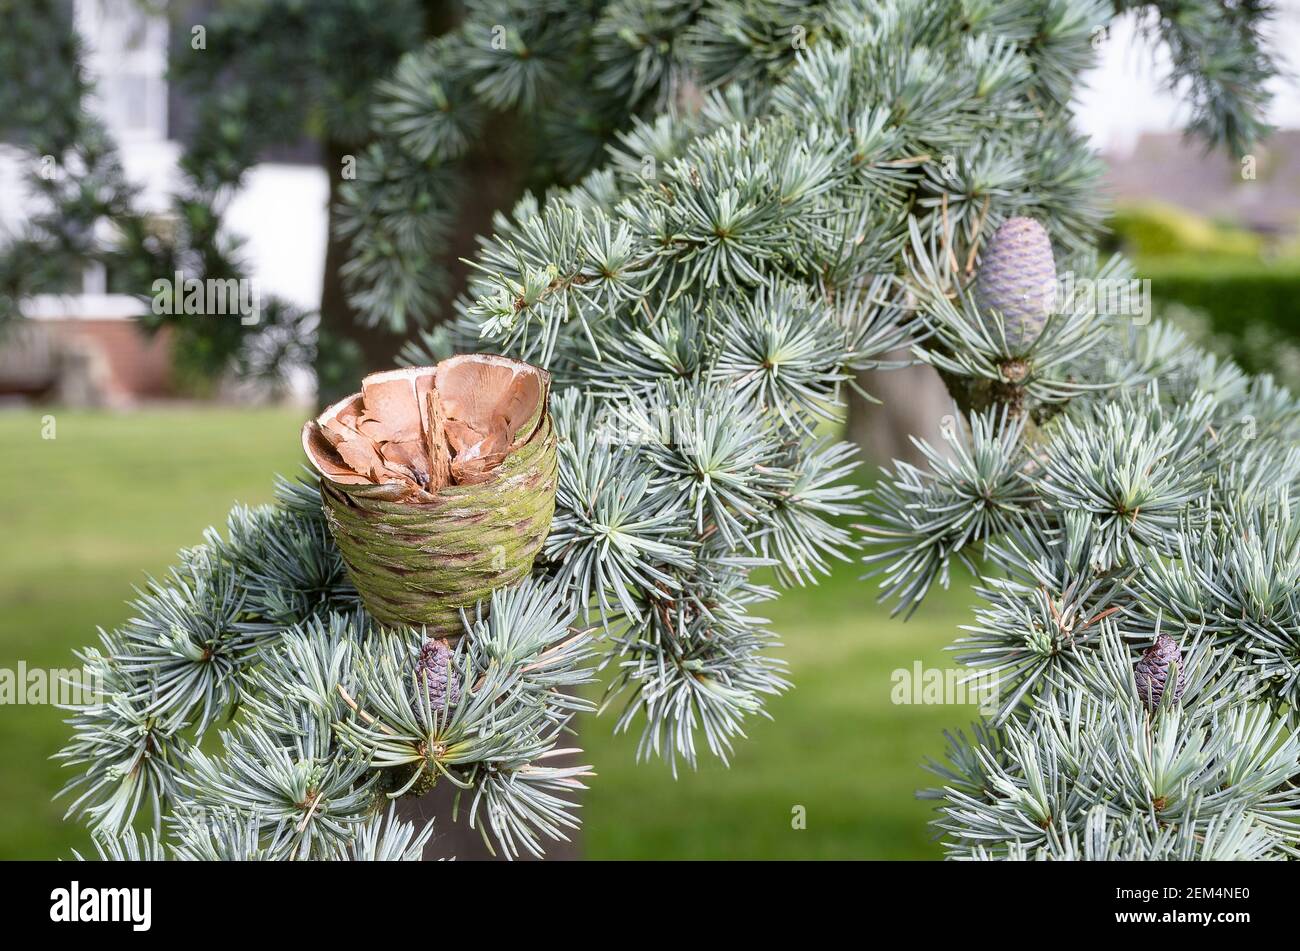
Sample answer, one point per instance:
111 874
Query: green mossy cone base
419 563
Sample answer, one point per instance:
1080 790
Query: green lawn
835 745
112 497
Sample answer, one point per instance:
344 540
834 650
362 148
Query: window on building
127 58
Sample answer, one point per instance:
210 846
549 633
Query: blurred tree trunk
913 403
345 350
494 180
455 839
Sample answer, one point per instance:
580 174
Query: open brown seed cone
438 484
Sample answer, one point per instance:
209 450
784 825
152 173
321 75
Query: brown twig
979 227
947 238
370 721
1102 615
311 810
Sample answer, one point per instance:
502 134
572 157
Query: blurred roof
1165 166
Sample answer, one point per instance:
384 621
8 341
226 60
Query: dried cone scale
438 484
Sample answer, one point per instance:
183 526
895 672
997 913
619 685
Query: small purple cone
1150 673
436 675
1017 278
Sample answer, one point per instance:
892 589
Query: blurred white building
280 212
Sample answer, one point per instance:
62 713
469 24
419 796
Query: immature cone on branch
439 680
1151 672
438 484
1017 278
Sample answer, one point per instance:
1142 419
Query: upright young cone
436 676
1017 278
438 484
1151 672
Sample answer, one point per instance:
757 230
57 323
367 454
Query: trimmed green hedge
1154 229
1252 304
1235 294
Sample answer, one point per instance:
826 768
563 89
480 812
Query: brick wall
96 360
136 365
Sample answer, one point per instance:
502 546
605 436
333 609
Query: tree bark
455 839
914 402
345 350
493 182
